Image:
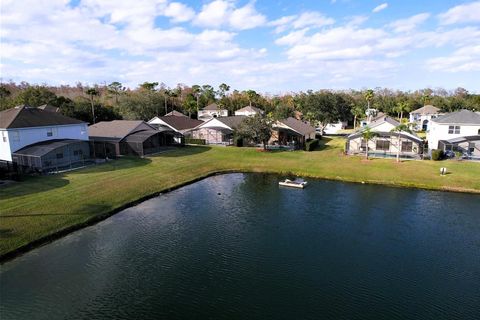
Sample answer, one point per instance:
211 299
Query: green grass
41 206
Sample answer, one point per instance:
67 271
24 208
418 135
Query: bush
195 141
437 154
310 145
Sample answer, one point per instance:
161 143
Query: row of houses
457 131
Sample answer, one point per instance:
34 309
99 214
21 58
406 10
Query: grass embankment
41 206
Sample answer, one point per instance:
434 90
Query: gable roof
232 121
175 113
250 109
25 117
459 117
381 120
301 127
212 106
428 109
117 129
181 122
378 122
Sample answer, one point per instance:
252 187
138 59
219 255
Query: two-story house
42 140
420 118
212 111
459 131
248 111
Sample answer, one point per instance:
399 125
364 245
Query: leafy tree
149 86
115 88
358 112
35 96
368 135
257 129
401 108
251 95
398 130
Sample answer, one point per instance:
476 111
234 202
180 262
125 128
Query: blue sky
265 45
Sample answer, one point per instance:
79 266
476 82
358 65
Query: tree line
115 101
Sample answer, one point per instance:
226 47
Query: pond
238 246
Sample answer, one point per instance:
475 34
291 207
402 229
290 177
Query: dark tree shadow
6 233
323 144
120 163
183 151
33 184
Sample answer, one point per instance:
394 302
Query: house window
471 147
453 129
59 155
363 145
407 146
49 132
382 145
4 139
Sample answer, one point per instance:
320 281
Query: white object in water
293 184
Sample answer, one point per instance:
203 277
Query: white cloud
381 7
465 59
312 19
464 13
219 13
282 23
409 24
179 12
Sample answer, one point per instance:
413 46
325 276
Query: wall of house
418 119
354 145
332 128
439 132
245 113
208 114
21 137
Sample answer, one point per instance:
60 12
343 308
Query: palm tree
398 130
368 135
402 107
357 113
369 94
92 92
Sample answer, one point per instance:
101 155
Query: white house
211 111
463 123
248 111
334 128
386 143
24 126
421 117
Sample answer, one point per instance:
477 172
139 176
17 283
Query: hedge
437 154
195 141
310 145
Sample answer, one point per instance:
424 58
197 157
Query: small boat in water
294 184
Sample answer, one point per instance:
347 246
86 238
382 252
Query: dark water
257 251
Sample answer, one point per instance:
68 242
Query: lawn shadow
121 163
323 144
33 184
183 151
6 233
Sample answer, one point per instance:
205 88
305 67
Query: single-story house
421 117
218 130
386 143
180 124
31 135
291 132
128 137
467 145
463 123
211 111
249 111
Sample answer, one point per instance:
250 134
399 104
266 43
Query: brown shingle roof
25 117
250 109
176 113
232 121
181 122
428 109
117 129
212 106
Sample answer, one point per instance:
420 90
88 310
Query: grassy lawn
40 206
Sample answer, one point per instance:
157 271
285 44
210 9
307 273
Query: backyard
39 207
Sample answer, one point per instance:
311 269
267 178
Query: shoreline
98 218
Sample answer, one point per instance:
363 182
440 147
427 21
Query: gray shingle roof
117 129
428 109
250 109
232 121
301 127
25 117
181 122
176 113
212 106
459 117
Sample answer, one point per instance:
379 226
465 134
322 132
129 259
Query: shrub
437 154
310 145
195 141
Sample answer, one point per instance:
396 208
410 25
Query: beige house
212 111
291 132
249 111
217 130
